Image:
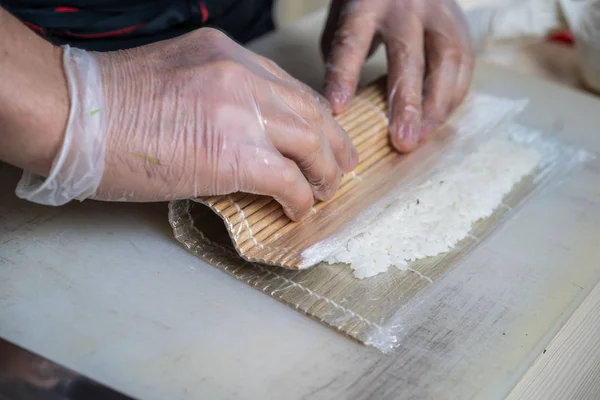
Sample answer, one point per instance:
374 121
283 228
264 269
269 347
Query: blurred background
554 58
288 11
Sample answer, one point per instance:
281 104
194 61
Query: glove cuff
78 167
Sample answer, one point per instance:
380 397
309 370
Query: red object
204 11
36 28
117 32
564 37
64 9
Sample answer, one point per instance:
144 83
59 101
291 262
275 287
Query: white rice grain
441 212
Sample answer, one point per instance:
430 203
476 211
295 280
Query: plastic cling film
261 232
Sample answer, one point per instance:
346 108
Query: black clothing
104 25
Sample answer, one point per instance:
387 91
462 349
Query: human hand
430 61
198 115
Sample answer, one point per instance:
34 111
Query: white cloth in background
537 18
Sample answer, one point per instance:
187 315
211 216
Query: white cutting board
105 290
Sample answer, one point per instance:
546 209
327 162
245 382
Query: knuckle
303 202
341 143
312 142
323 104
341 72
309 163
296 195
213 35
342 146
408 101
345 39
328 183
321 187
313 102
227 71
289 175
332 181
451 56
334 176
398 46
411 67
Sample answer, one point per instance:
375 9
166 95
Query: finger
344 151
303 143
275 176
406 66
280 77
443 66
312 108
331 26
348 50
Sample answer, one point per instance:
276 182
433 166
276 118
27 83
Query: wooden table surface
570 366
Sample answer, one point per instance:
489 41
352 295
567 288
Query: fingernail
405 138
411 135
396 131
337 96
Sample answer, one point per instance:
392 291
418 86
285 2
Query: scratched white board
105 290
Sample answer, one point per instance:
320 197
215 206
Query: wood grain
569 367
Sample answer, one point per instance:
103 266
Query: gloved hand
194 116
430 60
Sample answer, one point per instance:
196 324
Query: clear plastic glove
194 116
430 60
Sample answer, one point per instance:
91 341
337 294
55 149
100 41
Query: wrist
78 166
34 99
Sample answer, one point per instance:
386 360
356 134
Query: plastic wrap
369 310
